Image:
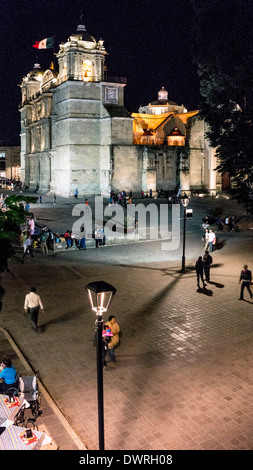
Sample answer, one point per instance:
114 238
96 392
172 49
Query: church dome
82 35
36 73
163 103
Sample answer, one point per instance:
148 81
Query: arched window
87 71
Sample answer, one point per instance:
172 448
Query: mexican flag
47 43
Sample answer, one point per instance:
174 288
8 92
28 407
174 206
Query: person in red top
67 237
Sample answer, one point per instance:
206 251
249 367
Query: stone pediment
49 78
170 124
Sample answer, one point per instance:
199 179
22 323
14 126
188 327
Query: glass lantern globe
185 201
100 296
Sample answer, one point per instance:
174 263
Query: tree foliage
10 221
222 47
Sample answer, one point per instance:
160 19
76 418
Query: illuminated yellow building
162 122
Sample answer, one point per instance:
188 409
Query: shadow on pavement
205 291
216 284
63 318
220 244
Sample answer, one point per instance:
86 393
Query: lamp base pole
100 387
183 257
183 265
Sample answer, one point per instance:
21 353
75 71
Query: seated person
9 375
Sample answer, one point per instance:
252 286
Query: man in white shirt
32 305
28 246
211 240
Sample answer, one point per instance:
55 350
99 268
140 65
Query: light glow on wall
87 71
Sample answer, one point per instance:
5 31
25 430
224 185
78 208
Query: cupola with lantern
81 57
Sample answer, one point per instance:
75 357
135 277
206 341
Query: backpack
43 237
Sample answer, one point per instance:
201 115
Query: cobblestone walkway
183 377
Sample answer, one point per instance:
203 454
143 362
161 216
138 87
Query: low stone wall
245 223
118 239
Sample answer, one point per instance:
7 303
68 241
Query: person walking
115 330
33 305
76 193
207 258
28 246
246 278
199 267
54 199
211 240
206 239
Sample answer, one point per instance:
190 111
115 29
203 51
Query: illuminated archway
87 71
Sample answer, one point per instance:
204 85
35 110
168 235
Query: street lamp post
100 296
185 202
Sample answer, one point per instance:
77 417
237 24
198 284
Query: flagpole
54 51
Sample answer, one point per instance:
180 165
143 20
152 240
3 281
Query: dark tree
10 221
222 47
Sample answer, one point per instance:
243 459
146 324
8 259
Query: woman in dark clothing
199 267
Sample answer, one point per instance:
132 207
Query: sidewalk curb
46 395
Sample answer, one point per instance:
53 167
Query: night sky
148 43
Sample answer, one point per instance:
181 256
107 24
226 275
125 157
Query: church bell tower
81 58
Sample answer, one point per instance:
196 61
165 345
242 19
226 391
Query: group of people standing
202 268
120 198
228 222
79 240
27 237
203 265
123 199
34 235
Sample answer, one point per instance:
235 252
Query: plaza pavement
183 377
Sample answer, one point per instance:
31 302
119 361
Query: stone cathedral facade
76 132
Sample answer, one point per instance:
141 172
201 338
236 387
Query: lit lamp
185 202
100 296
